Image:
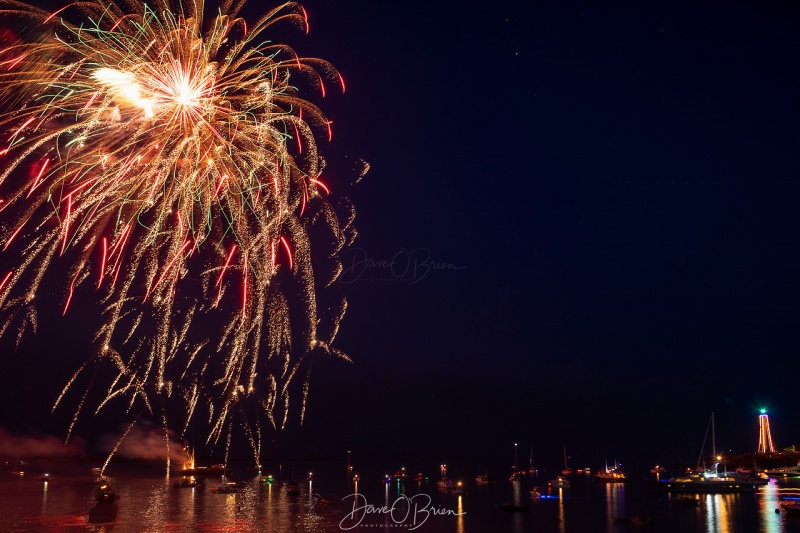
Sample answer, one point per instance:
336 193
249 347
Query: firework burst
167 161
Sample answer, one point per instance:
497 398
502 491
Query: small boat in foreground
106 507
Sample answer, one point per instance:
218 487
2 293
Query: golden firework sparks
170 162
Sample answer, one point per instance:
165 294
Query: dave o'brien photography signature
409 266
411 512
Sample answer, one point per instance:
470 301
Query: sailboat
611 475
710 480
445 482
566 471
515 471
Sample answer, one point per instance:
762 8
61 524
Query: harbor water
329 501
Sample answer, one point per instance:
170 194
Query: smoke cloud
33 446
145 442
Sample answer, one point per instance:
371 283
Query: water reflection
718 512
516 499
562 524
270 511
460 517
386 504
45 484
615 503
769 501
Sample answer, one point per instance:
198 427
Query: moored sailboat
711 480
611 475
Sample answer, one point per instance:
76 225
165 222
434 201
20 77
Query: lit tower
764 436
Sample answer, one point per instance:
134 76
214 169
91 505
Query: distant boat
484 479
566 471
228 487
191 469
611 475
445 482
516 473
559 483
186 484
750 470
536 492
696 483
784 471
213 470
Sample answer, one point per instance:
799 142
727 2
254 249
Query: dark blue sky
619 186
609 196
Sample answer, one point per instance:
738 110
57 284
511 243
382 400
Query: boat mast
702 457
713 437
515 458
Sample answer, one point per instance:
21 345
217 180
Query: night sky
590 213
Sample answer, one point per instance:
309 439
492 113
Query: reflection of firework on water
170 163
